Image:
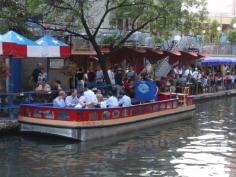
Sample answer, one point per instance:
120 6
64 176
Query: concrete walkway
8 125
215 94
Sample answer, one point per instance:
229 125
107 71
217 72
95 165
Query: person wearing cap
125 100
59 100
73 99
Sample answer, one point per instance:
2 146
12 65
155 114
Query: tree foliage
85 18
232 32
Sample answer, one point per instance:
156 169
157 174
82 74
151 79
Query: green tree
84 18
232 32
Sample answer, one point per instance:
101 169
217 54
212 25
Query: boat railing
10 102
95 114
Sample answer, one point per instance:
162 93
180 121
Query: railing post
10 107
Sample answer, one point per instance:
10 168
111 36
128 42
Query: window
125 113
133 112
106 115
79 115
63 115
115 114
48 114
93 116
149 108
37 114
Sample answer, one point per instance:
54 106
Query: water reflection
203 146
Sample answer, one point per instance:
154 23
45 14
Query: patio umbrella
52 47
218 61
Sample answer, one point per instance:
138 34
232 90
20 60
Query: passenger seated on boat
59 100
81 103
112 101
91 100
125 100
73 99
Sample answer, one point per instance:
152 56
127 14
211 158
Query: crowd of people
91 98
89 86
199 80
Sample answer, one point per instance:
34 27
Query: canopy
218 61
53 47
7 48
24 47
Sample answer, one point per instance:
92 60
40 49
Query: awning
218 61
52 47
8 48
189 55
153 55
202 55
23 47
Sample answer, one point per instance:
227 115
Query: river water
199 147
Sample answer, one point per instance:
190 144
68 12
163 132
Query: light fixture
219 28
234 25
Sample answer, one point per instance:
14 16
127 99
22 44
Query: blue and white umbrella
218 61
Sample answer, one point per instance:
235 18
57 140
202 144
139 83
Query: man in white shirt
73 99
195 74
59 101
82 102
90 98
187 72
125 100
112 101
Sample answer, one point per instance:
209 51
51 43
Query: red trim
80 115
191 55
65 51
202 55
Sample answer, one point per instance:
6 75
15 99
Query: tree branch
102 19
128 35
108 10
62 30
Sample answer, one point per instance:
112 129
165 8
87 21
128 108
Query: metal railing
218 49
10 102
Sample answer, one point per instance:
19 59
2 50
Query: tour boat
87 124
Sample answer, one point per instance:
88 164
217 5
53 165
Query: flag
163 68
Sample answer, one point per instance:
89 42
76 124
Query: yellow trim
100 123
